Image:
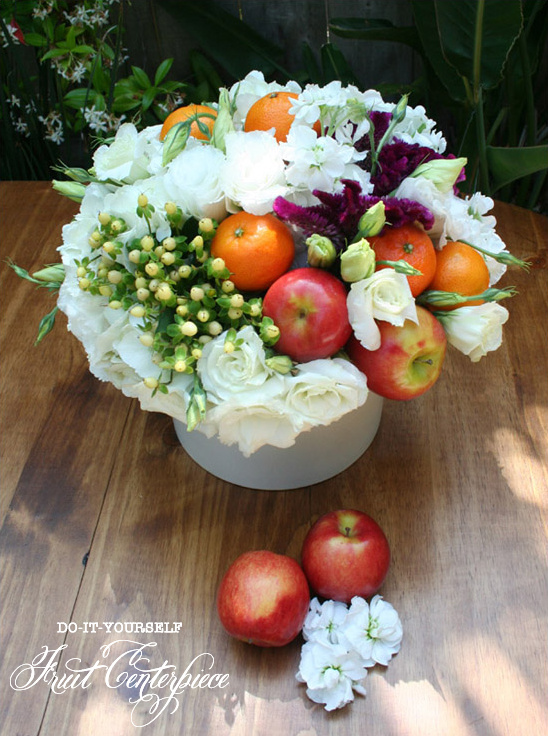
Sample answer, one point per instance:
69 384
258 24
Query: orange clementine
407 243
272 111
257 249
461 269
189 111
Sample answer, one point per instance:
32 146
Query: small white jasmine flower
374 630
331 673
386 296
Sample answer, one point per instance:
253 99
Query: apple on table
409 359
345 554
263 598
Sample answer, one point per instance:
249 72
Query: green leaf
375 29
508 164
235 46
476 37
148 97
141 77
35 39
430 47
335 66
162 71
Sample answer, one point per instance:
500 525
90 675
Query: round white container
317 455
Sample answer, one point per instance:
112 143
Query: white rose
251 425
193 182
324 390
124 159
475 330
253 173
242 372
386 296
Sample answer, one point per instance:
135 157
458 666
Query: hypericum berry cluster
183 296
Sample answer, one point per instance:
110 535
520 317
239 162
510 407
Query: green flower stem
503 257
401 266
451 298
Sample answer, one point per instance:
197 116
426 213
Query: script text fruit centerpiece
274 261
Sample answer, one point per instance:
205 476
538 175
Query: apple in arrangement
263 598
409 360
309 307
345 554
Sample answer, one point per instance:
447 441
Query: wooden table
105 519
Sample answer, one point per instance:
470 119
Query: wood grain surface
105 519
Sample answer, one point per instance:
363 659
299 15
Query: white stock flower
252 175
324 390
130 156
242 373
316 162
374 630
331 673
386 296
417 127
475 330
323 621
193 182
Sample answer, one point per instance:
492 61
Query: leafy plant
62 83
483 78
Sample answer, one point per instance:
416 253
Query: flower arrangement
161 317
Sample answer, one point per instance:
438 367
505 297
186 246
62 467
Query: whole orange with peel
461 269
202 113
411 244
272 111
257 249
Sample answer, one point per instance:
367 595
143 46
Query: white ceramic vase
317 455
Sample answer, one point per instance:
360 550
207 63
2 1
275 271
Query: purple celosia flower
339 213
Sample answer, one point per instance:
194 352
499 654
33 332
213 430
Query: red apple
345 554
409 360
263 598
309 307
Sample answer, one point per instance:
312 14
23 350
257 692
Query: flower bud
234 313
280 363
80 272
54 273
168 259
205 225
147 243
197 293
143 294
104 218
151 382
142 200
115 304
443 172
134 255
189 329
105 290
236 301
152 269
214 328
137 311
140 282
170 208
169 243
321 251
164 292
372 221
147 339
228 286
71 189
357 261
114 277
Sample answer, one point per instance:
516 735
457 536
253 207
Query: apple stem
428 361
347 531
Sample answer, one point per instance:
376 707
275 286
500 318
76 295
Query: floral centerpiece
161 316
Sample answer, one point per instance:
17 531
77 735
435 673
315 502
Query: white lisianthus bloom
386 296
251 425
475 330
174 403
324 390
130 157
252 175
250 89
242 373
324 621
193 182
316 162
373 630
331 673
